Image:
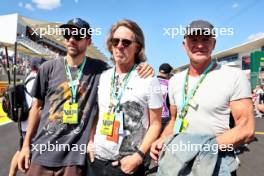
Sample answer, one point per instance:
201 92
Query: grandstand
35 47
28 35
30 42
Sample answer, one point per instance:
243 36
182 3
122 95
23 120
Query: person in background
34 65
163 77
259 101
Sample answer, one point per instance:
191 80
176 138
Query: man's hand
90 150
145 70
129 164
24 159
156 148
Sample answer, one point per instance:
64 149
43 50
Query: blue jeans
202 161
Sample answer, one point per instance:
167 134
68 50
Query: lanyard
73 83
186 98
116 95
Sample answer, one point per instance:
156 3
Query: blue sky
245 17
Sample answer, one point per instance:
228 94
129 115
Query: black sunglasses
124 42
76 37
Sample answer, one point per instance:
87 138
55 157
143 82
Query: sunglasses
125 42
76 37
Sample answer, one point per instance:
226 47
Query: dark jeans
105 168
38 170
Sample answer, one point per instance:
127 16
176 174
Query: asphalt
251 157
9 142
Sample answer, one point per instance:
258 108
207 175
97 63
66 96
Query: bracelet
141 154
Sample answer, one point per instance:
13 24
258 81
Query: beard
74 52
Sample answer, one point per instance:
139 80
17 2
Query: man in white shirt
129 108
203 96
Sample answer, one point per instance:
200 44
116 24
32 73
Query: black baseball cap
78 23
165 68
36 62
200 27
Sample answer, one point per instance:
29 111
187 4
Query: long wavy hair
139 38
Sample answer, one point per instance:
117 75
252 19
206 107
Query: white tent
14 26
8 30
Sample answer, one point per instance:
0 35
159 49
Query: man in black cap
64 107
201 99
200 28
77 27
165 71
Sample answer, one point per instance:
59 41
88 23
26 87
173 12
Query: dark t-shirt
57 143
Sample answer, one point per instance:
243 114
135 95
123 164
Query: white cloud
29 7
235 5
47 4
20 4
256 36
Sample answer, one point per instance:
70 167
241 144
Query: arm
158 144
33 122
90 146
13 165
169 128
243 132
173 110
153 131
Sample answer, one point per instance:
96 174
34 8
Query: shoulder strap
29 79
